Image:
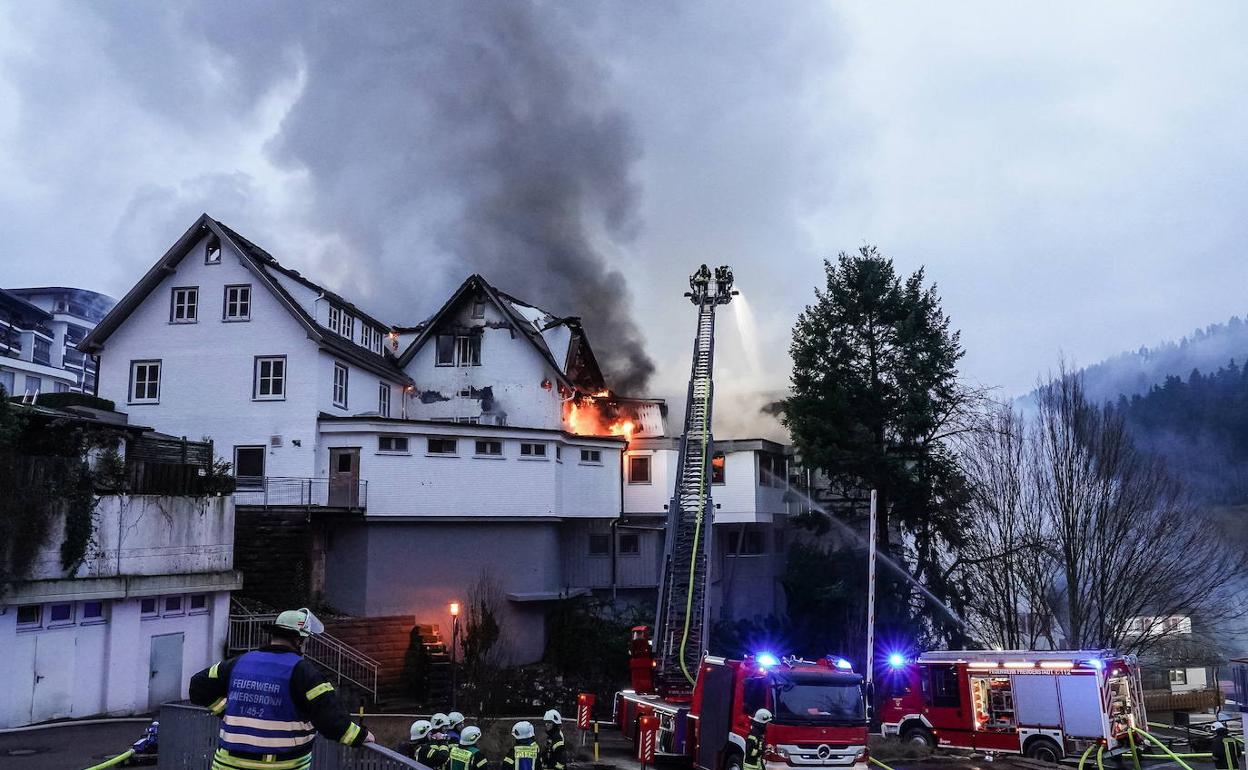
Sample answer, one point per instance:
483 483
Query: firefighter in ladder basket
273 702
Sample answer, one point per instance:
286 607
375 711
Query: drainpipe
614 526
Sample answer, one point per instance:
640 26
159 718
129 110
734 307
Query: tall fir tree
874 399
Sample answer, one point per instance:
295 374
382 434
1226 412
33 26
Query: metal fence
188 738
300 492
248 632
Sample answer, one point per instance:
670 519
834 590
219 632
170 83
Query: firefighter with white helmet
1225 749
524 754
439 739
756 742
455 721
467 755
424 750
554 754
272 701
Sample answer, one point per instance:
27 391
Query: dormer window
212 252
341 322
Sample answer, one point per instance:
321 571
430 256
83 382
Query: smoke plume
443 139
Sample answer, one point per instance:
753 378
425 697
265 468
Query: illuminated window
717 468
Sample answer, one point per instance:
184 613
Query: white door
53 679
165 673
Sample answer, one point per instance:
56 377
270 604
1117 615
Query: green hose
697 535
1100 753
1164 748
1084 759
114 761
878 763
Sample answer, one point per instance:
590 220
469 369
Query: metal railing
250 632
301 492
188 738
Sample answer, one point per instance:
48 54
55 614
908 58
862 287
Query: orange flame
586 417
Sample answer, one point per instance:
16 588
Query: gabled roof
259 262
576 367
26 310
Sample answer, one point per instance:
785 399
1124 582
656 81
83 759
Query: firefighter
554 755
424 750
701 281
467 755
1225 749
439 739
756 741
456 722
524 754
273 702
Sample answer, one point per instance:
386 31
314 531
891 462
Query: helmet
421 729
440 721
762 716
1217 727
455 719
553 716
522 730
301 621
470 736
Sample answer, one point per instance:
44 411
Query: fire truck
1046 705
702 703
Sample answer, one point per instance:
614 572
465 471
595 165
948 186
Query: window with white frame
1178 676
442 446
269 380
145 382
392 444
175 605
371 337
458 350
149 607
341 373
529 449
91 612
29 616
488 448
249 467
60 614
197 603
591 456
383 399
341 322
237 303
184 305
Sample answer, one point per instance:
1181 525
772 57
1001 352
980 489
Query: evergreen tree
874 399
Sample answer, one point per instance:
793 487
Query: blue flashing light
842 664
1097 663
766 660
896 660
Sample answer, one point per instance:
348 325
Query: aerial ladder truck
702 704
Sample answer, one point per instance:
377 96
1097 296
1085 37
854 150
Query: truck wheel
918 736
1044 750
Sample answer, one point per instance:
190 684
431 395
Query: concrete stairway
385 640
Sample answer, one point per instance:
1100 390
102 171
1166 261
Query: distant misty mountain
1135 372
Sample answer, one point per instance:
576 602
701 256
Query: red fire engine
703 703
1044 704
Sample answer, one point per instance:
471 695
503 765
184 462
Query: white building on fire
476 443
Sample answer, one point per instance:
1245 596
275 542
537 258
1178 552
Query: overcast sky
1072 177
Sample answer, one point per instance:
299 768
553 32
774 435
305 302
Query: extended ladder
680 623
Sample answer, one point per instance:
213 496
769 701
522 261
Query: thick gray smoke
443 139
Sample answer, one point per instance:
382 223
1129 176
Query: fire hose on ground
114 761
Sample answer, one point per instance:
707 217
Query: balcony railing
249 632
290 491
188 738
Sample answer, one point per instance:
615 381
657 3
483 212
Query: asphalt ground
72 747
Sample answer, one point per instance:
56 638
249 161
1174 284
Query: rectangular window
468 350
771 470
237 304
944 687
753 545
91 612
446 350
34 384
490 448
559 453
335 319
184 304
383 399
341 374
1178 676
717 467
212 251
149 607
249 466
60 615
528 449
348 325
392 444
144 382
639 469
42 352
6 383
478 308
30 616
370 337
198 603
599 545
591 456
269 379
468 420
630 543
173 605
442 446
